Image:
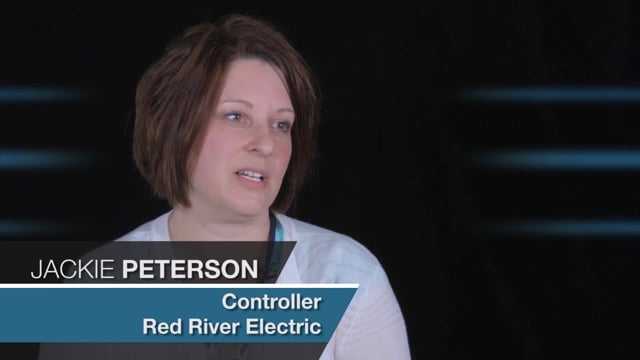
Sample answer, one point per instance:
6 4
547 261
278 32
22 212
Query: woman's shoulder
153 230
335 256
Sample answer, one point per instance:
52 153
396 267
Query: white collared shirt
372 326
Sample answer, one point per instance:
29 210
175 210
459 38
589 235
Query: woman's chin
251 209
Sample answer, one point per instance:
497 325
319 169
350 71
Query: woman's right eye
238 119
233 116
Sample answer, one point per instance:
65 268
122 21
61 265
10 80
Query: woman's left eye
283 126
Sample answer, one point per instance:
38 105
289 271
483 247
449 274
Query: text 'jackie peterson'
100 269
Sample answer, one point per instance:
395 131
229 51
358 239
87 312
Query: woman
225 129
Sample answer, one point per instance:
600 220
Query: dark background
395 147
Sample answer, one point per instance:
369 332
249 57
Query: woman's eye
233 116
283 126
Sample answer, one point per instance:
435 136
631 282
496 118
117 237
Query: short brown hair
173 102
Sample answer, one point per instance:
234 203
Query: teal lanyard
276 236
276 232
279 236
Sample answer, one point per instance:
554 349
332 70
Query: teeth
251 175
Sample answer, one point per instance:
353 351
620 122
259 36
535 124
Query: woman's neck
187 224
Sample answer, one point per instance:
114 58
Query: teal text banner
171 313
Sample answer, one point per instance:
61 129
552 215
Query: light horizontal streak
553 94
31 94
628 227
29 227
42 159
560 159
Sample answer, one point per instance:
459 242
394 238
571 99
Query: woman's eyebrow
245 102
250 105
286 109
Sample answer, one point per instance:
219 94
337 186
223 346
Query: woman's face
247 145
